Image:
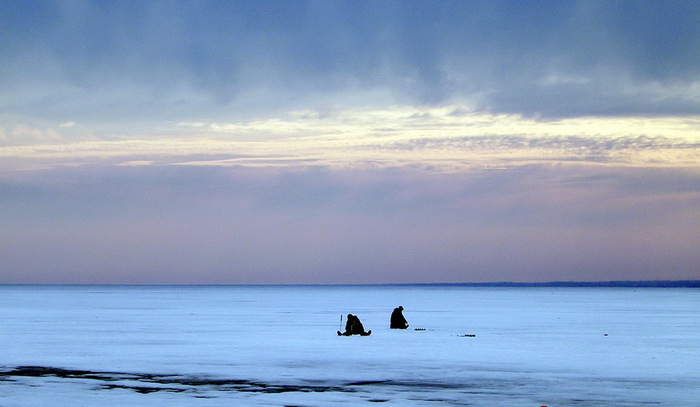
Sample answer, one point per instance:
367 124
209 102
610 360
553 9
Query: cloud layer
136 64
348 141
445 139
223 225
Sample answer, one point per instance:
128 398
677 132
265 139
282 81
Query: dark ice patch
150 383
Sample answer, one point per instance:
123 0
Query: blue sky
348 142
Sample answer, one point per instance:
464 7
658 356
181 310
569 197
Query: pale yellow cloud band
444 139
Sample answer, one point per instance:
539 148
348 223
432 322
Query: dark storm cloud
135 61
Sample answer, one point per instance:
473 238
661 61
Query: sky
348 142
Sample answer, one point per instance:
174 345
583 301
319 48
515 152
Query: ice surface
277 346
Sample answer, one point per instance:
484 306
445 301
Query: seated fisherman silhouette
354 327
397 319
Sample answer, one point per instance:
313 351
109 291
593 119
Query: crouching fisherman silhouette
354 327
397 319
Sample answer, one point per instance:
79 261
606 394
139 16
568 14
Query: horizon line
609 283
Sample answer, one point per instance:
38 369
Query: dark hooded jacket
397 319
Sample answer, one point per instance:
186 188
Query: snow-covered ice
277 346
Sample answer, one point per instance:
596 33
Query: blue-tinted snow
531 346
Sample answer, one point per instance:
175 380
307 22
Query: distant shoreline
551 284
613 284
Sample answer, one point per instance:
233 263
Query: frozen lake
277 346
